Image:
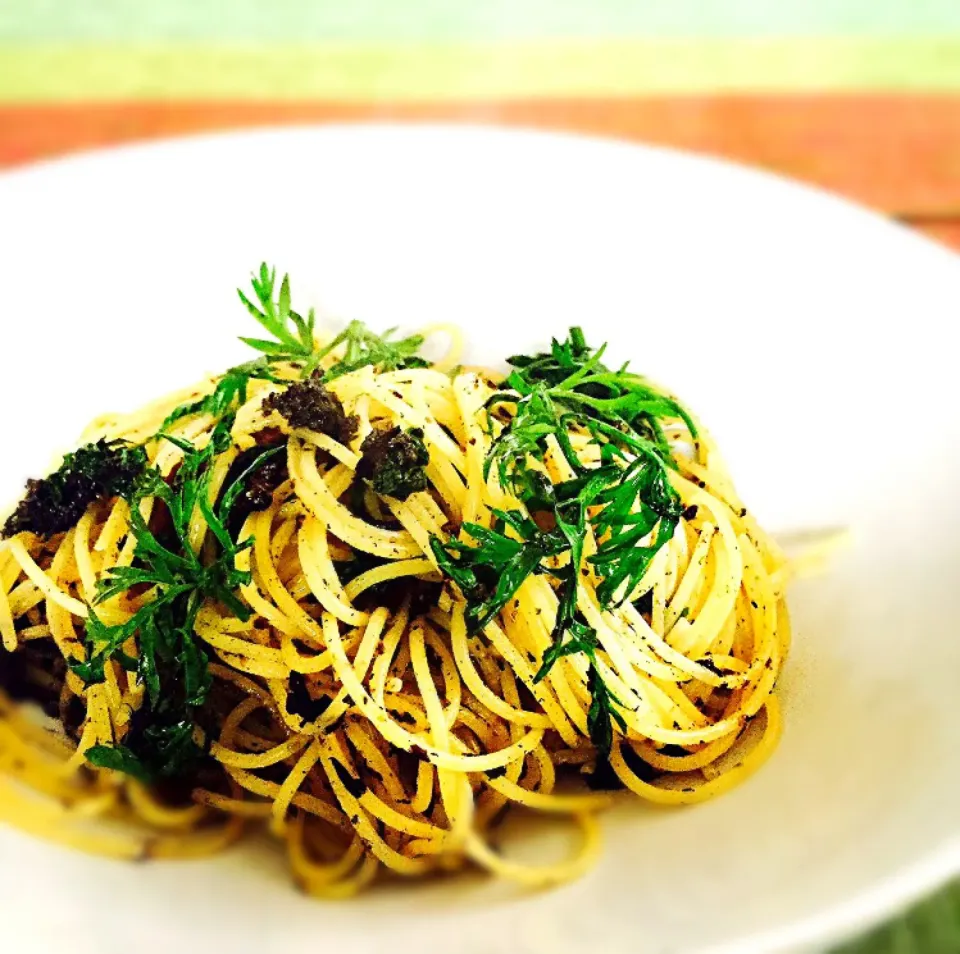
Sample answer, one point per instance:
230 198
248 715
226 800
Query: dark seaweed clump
393 461
56 503
309 405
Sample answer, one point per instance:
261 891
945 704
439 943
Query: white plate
813 338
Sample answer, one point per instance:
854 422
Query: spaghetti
394 599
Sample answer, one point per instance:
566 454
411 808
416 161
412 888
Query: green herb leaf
641 500
103 643
363 348
490 572
602 713
292 334
228 395
171 663
582 639
119 758
536 418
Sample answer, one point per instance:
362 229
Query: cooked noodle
429 730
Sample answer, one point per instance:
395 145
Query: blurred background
861 97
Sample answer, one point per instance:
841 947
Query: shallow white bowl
813 338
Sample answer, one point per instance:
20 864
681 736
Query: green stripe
463 20
410 72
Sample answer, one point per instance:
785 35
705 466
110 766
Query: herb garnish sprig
362 347
624 499
178 581
229 393
294 337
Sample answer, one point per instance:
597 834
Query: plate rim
891 894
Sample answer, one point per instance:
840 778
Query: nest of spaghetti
372 602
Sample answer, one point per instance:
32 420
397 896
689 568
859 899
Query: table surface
857 96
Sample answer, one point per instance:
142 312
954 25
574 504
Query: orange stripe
946 232
897 153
